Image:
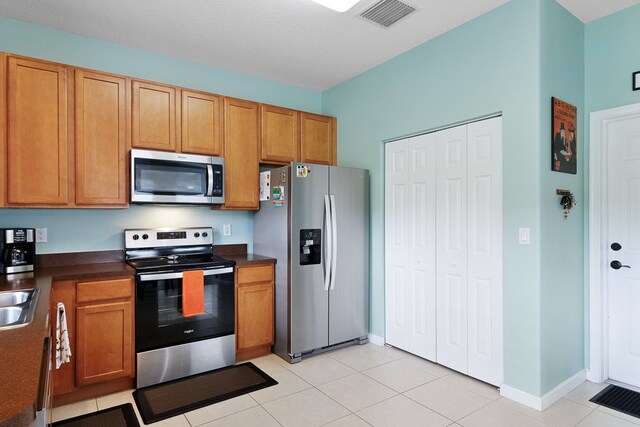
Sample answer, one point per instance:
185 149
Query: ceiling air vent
387 12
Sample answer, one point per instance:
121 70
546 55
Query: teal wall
73 230
561 241
612 54
488 65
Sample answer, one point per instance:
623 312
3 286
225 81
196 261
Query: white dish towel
63 349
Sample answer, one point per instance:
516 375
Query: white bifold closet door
410 290
444 247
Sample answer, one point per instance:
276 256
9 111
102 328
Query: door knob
616 246
617 265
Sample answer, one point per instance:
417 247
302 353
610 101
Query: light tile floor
374 386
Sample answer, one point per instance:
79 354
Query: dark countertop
21 348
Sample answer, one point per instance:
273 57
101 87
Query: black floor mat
619 399
165 400
118 416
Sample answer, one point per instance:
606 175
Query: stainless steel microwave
163 177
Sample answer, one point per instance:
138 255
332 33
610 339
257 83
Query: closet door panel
410 245
485 250
451 238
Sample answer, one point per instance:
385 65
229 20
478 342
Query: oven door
159 319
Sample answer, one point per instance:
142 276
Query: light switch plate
226 230
524 236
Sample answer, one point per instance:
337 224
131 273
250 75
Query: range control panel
154 238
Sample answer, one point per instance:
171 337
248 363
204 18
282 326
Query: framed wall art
564 137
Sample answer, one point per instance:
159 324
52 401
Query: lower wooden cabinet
100 322
254 310
104 342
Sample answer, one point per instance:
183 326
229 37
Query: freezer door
309 302
349 294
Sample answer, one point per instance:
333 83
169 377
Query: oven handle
178 275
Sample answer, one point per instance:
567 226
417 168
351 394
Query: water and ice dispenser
310 246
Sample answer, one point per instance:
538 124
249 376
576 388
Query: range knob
135 237
145 236
205 234
197 234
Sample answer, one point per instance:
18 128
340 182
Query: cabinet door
3 128
279 143
201 123
63 380
153 116
317 139
255 315
241 137
104 342
101 136
37 145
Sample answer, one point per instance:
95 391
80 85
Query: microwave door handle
178 275
209 180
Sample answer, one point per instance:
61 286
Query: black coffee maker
17 250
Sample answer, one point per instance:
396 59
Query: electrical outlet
41 235
226 230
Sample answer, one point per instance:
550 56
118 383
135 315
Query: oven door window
163 177
159 319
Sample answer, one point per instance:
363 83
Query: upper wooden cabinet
37 144
101 139
241 137
201 123
279 142
153 116
317 139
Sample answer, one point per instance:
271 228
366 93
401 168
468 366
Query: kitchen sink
10 315
17 307
14 297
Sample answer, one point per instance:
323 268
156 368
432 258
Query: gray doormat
619 399
161 401
118 416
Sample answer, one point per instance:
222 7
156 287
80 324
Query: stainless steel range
168 344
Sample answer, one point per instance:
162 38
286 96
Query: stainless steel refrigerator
314 219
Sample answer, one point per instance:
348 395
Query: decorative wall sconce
567 201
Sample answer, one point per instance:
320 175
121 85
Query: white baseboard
543 402
375 339
563 388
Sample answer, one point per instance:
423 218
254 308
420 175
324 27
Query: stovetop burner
182 261
172 249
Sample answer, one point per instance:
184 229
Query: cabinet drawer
104 290
262 273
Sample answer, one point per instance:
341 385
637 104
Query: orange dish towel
192 293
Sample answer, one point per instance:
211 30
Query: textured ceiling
292 41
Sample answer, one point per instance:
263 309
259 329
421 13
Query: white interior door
410 245
451 247
623 195
484 254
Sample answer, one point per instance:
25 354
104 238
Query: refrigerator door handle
334 241
327 242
